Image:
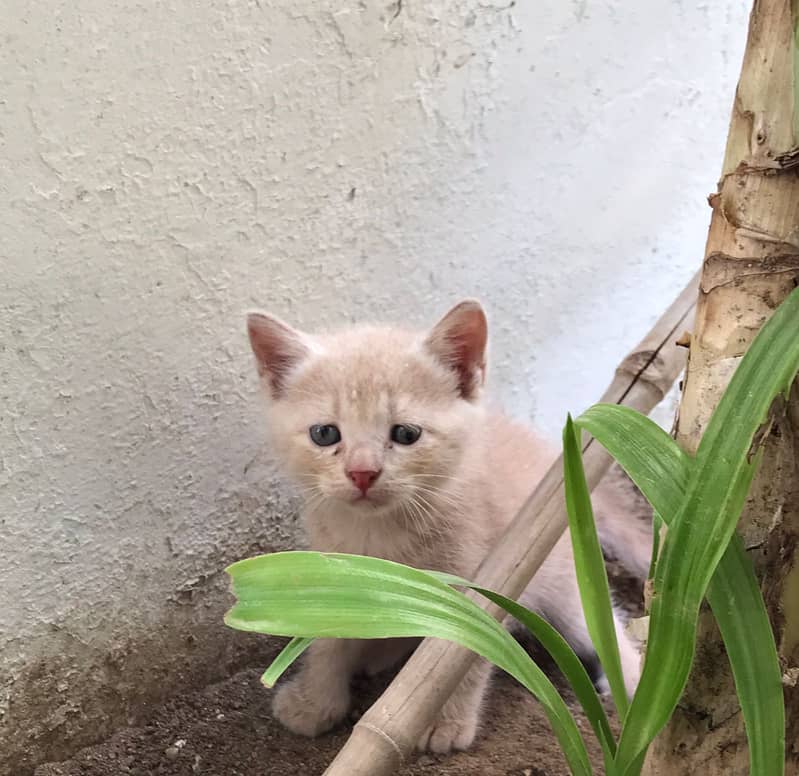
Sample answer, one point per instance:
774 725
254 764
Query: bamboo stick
387 733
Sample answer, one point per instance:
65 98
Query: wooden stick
387 733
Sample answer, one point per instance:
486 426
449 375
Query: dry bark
388 732
751 264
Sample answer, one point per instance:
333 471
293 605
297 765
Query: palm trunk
751 264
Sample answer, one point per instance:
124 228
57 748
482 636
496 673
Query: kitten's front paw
446 735
309 713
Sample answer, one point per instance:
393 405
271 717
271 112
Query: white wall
166 166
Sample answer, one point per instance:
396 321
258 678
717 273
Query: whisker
417 524
439 518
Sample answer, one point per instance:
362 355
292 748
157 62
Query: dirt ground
227 729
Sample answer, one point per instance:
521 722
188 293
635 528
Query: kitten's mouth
367 499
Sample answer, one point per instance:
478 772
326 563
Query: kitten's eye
324 436
405 434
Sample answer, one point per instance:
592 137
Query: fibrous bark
751 264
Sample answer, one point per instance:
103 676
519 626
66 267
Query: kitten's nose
363 479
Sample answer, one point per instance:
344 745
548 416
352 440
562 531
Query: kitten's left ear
459 340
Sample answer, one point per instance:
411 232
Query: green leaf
652 459
312 595
558 648
657 525
589 562
287 656
701 531
661 470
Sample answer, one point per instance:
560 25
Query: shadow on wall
81 690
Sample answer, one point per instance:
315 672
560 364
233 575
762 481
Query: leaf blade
592 579
700 534
660 469
310 594
558 648
287 656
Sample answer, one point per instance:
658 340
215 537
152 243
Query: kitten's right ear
278 349
459 341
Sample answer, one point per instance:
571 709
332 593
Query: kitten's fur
438 503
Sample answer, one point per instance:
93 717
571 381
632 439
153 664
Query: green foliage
310 595
661 471
592 579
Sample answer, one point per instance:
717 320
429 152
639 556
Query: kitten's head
372 419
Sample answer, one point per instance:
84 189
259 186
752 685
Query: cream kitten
395 455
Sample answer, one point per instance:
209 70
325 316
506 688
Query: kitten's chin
370 504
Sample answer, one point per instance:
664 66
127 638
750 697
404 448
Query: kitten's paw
446 735
602 685
309 713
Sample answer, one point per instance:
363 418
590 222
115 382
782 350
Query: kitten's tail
624 523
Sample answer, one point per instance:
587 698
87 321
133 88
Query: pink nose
364 479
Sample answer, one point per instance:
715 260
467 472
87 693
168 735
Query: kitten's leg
554 593
630 657
380 654
457 721
318 697
575 631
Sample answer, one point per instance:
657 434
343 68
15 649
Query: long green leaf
311 595
661 470
702 529
645 451
558 648
592 578
287 656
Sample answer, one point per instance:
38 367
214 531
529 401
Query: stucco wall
166 166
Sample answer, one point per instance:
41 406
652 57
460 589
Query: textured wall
166 166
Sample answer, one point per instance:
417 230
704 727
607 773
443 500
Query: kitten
395 455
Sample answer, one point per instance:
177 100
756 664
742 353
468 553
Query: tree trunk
751 264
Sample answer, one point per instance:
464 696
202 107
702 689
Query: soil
227 729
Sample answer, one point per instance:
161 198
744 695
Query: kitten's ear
459 341
278 349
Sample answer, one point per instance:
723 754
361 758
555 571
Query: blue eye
405 434
324 436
